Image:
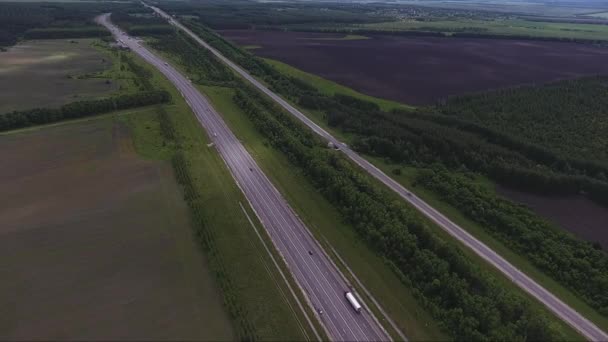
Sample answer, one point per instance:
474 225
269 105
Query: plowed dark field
577 214
422 70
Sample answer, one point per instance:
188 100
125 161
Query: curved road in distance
319 278
558 307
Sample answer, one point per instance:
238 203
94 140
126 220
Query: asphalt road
316 274
559 308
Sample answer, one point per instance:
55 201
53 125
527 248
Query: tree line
242 14
195 59
580 265
79 109
141 21
239 315
58 33
42 20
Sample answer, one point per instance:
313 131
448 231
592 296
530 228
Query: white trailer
353 301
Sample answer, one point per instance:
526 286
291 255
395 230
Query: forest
571 110
466 300
430 137
51 20
242 14
137 22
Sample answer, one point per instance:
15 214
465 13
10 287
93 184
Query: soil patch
577 214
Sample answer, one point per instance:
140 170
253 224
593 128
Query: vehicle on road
310 252
166 63
353 301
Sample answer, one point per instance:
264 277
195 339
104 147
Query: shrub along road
559 308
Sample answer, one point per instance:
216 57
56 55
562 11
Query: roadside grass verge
119 72
250 47
325 223
254 297
330 88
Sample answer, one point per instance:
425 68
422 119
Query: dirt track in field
423 70
95 242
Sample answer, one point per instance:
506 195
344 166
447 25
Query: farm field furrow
96 242
424 70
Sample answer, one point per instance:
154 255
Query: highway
320 279
555 305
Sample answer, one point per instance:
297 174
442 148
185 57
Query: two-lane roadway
314 272
558 307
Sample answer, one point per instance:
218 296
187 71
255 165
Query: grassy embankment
239 256
407 177
330 88
499 27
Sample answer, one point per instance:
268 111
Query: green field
534 7
346 37
499 27
96 241
47 73
330 88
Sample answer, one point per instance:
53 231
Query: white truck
353 301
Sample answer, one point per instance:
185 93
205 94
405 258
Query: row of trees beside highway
429 137
79 109
581 265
